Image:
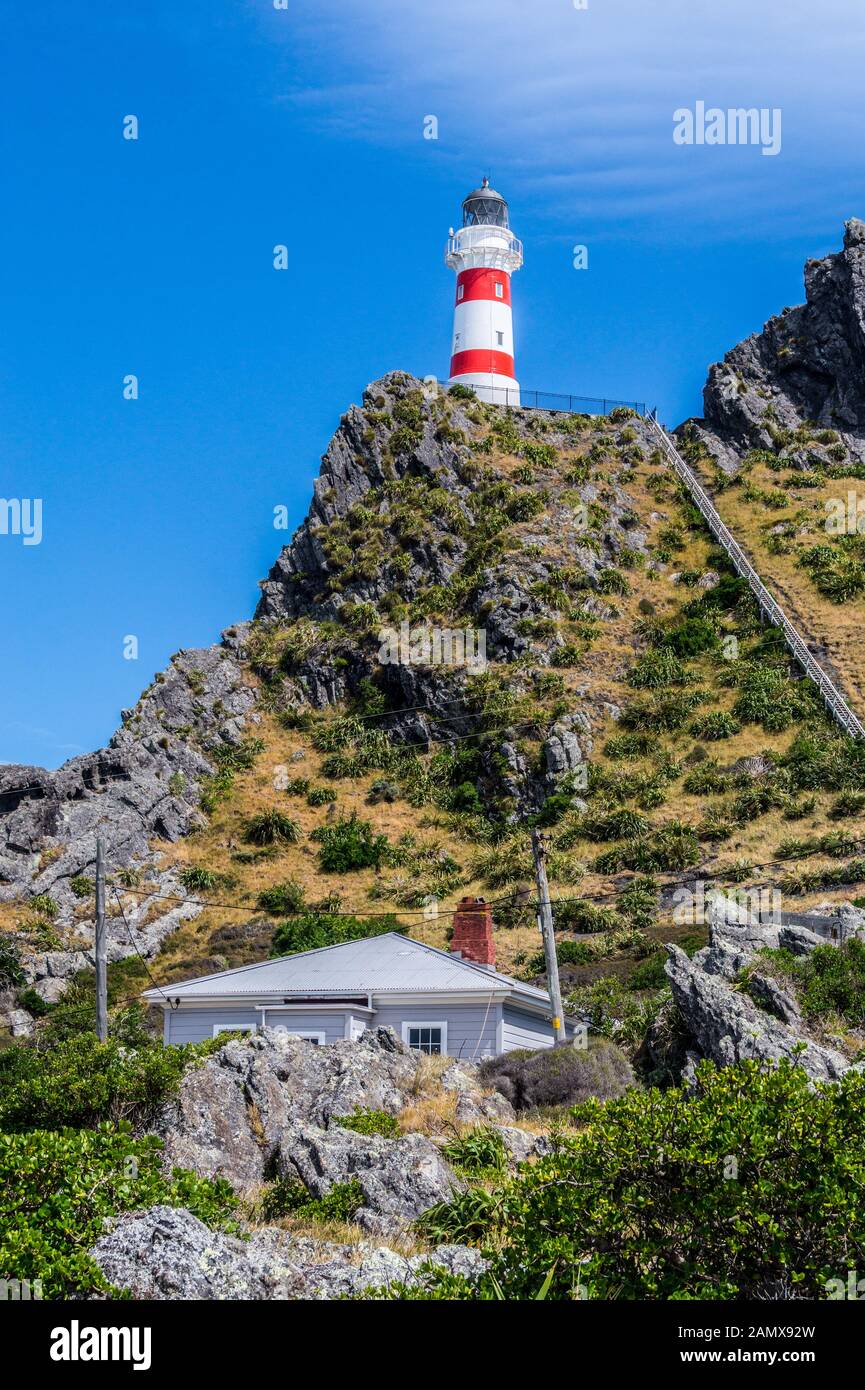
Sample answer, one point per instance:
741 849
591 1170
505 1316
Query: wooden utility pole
101 956
545 922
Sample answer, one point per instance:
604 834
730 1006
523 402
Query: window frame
439 1023
500 290
234 1028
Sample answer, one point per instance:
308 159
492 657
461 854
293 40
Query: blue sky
304 126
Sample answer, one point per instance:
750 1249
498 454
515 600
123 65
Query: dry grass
835 628
431 1114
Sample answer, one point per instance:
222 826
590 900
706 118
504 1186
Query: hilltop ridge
629 702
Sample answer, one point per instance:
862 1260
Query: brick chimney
473 932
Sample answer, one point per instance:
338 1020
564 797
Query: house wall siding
331 1024
472 1029
194 1025
524 1030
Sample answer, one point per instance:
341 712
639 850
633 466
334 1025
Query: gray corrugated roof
377 965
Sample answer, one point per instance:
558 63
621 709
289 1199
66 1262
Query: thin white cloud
563 99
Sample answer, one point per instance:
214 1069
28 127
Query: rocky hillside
782 445
330 764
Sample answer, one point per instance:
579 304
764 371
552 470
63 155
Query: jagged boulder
807 365
231 1111
728 1027
167 1253
399 1178
270 1104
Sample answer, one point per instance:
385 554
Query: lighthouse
484 253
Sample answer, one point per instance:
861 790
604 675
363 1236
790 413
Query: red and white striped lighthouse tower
484 253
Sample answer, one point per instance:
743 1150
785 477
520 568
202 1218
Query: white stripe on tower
484 253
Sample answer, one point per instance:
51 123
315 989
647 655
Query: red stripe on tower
482 360
484 253
483 284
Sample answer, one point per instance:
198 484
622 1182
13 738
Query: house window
461 290
233 1028
500 337
500 290
431 1038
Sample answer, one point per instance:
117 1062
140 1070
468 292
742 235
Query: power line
134 945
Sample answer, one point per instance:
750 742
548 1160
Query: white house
437 1001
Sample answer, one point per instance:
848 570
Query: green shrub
466 1220
289 1197
272 827
641 1204
622 824
716 725
34 1003
477 1152
80 1082
561 1075
830 980
198 880
576 914
82 886
659 667
461 393
282 897
613 1011
662 713
11 972
44 905
691 637
649 973
848 804
769 697
313 930
612 581
541 455
671 847
635 745
321 796
350 843
366 1121
56 1189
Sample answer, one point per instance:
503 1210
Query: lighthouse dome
485 207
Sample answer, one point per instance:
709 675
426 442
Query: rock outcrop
144 787
406 506
269 1105
167 1253
728 1024
400 1178
799 385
